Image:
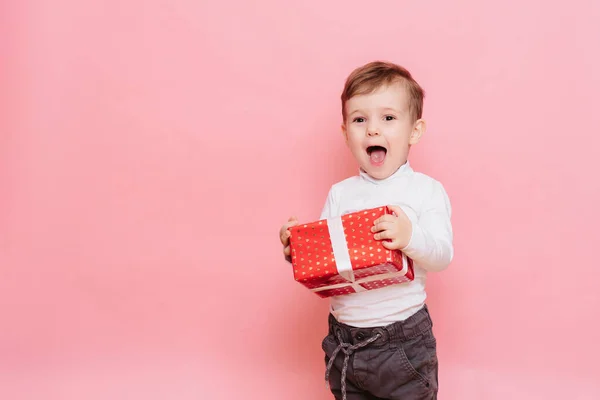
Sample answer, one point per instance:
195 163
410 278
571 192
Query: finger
390 244
286 255
290 224
284 233
292 221
387 234
287 251
381 226
384 218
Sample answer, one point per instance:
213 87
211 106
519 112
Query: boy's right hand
284 236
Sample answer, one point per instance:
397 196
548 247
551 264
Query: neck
404 168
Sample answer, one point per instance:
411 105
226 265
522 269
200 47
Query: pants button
360 336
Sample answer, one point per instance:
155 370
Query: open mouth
376 154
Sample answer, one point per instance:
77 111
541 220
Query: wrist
406 237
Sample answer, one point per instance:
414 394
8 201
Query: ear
344 132
419 129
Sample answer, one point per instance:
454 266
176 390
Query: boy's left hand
395 230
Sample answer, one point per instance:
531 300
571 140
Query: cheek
398 136
354 139
355 145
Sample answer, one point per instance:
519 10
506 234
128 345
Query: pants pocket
328 344
418 357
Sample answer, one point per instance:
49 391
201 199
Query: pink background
150 151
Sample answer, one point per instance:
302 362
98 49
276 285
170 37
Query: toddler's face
379 130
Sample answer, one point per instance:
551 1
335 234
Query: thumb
396 210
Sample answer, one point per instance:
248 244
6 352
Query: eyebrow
383 109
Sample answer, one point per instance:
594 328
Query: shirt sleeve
329 206
431 245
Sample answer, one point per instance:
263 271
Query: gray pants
398 361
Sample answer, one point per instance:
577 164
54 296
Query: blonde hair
372 76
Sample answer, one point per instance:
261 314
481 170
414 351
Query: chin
378 174
382 175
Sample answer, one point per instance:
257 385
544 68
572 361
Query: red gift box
338 256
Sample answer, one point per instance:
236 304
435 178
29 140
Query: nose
372 130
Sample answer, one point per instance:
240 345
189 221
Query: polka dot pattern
314 263
312 255
409 276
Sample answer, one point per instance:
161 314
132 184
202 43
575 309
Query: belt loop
396 332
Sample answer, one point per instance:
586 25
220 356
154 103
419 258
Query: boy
380 343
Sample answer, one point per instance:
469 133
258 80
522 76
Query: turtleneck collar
404 169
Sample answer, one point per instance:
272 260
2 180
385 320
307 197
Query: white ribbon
340 248
341 254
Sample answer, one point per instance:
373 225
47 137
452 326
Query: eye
389 117
358 119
